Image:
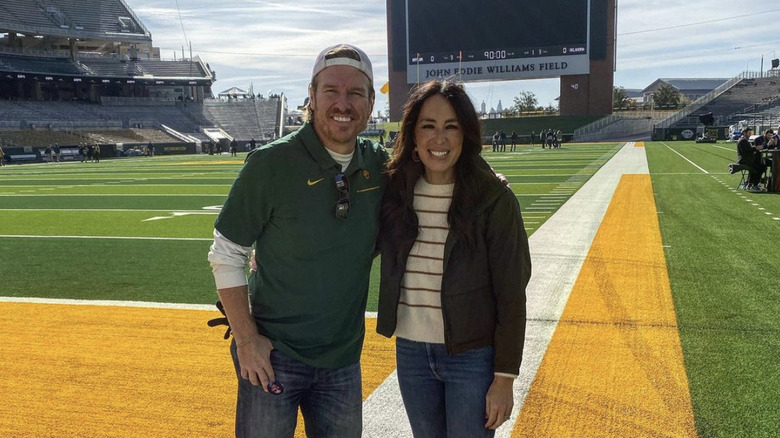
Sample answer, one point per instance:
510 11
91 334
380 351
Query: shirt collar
317 150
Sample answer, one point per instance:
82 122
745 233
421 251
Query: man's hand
254 357
499 402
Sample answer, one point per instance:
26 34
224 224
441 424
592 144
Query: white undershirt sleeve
228 262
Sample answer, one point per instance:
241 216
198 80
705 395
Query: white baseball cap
330 56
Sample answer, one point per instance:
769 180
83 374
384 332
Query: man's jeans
444 395
330 401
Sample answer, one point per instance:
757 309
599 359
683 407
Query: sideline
32 236
684 158
109 303
118 303
615 363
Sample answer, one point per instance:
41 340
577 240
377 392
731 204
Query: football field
652 307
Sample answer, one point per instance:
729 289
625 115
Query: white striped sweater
419 308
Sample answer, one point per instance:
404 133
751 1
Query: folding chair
744 170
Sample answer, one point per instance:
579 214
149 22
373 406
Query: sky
272 45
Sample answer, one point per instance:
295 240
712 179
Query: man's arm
252 348
228 262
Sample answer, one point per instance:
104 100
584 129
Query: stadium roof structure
111 20
633 93
17 66
687 84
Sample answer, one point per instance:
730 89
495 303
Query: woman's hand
499 401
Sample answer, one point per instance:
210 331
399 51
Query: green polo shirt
309 293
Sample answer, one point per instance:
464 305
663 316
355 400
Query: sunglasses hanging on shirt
342 205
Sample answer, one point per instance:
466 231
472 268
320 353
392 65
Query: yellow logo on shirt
311 183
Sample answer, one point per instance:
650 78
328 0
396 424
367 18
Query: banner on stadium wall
506 69
674 134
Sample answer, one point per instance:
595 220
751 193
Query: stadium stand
84 19
748 96
245 119
86 71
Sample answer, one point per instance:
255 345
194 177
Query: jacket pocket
470 315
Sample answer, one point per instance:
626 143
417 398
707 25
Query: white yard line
684 157
108 195
32 236
143 304
120 210
117 303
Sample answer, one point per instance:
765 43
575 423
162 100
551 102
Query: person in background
309 204
748 155
760 142
455 264
776 143
2 157
769 142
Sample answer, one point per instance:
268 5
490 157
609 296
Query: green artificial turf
174 197
720 245
722 254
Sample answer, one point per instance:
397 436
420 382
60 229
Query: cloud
273 44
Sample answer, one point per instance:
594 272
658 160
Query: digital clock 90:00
495 54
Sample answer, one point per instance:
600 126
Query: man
309 203
748 155
762 141
776 143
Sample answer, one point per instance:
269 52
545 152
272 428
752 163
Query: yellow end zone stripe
126 371
614 366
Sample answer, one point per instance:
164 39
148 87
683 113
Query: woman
455 264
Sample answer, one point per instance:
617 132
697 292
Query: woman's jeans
444 395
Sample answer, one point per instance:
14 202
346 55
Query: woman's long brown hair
399 226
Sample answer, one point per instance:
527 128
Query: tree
666 95
525 101
620 98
